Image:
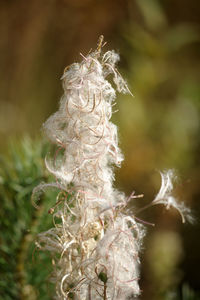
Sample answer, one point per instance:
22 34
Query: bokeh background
159 45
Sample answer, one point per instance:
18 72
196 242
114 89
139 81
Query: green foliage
188 293
22 274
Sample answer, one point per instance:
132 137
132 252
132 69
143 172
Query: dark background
158 42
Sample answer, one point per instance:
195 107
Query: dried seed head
97 242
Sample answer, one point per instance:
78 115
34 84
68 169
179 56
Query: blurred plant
164 254
188 294
21 170
164 115
163 119
95 239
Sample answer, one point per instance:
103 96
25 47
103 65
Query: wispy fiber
94 242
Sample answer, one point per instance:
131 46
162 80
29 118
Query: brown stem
104 292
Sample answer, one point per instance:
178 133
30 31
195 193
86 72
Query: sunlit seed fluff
94 242
82 127
165 197
93 238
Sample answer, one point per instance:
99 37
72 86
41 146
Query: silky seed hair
95 241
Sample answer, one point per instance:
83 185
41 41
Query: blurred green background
159 45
